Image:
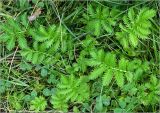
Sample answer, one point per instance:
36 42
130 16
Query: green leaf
24 20
123 64
44 72
129 76
122 103
118 110
40 4
106 100
108 28
38 104
110 60
107 77
46 92
119 78
96 73
25 66
97 28
133 40
99 19
135 27
22 42
35 58
99 104
59 102
75 109
75 89
33 93
11 44
131 15
147 13
13 33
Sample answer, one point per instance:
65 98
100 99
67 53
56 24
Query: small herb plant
71 56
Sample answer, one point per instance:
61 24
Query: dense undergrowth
79 56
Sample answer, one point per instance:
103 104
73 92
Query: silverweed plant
79 56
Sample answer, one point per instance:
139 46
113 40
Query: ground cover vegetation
79 56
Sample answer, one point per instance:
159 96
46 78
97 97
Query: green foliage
151 97
16 100
3 86
38 104
59 102
135 27
72 89
106 66
23 4
47 92
95 56
76 89
49 37
13 32
100 19
47 42
88 44
30 97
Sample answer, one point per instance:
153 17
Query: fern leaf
24 20
100 55
47 41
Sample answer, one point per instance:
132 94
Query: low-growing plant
38 104
70 56
135 26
